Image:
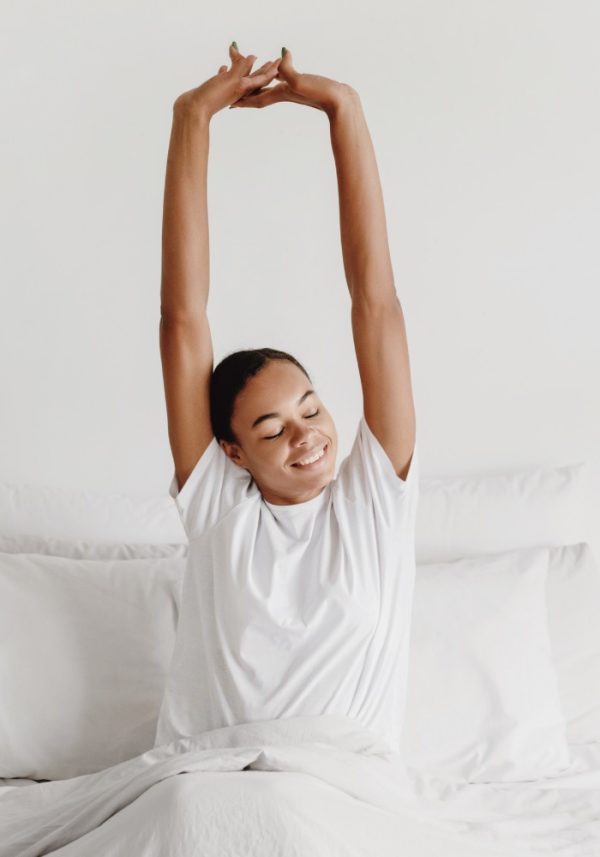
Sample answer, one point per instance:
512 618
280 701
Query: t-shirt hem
396 483
182 497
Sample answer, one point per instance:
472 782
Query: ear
233 452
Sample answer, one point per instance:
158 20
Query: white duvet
293 787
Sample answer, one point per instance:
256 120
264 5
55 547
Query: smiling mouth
314 464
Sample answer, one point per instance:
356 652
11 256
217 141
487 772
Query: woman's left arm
377 318
378 327
365 249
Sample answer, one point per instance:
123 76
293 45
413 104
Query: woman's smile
313 465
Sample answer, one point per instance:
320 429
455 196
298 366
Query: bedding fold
350 762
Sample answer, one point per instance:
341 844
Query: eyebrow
276 413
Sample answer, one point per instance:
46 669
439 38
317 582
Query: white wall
485 122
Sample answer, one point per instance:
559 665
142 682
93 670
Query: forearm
365 249
185 246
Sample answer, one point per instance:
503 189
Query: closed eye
273 436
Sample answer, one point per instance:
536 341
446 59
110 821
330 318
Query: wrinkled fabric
319 786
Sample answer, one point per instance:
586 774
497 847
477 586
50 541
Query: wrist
346 98
185 108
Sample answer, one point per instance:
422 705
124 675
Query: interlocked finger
263 97
261 69
264 69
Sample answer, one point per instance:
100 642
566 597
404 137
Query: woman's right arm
185 339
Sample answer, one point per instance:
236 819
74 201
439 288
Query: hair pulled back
230 377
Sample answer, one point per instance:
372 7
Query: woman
298 591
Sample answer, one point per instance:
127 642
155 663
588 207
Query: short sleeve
212 489
367 477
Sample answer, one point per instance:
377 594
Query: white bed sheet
295 787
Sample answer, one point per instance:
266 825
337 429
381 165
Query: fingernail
235 45
283 52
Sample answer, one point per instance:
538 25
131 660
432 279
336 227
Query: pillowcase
573 614
81 549
64 513
85 647
483 701
474 515
543 506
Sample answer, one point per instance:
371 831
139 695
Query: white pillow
473 515
573 613
457 516
483 702
63 513
20 543
85 647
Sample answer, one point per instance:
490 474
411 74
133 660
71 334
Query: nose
304 436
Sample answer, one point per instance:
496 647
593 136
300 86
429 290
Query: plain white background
485 122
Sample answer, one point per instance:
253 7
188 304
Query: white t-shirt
294 610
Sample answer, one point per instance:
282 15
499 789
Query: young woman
298 591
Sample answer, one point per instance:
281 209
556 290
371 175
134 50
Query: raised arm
377 318
185 260
185 340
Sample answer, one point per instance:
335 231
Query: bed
501 732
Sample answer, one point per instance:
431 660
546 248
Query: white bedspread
293 787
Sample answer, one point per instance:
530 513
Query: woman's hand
229 84
312 90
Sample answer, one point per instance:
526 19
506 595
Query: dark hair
230 377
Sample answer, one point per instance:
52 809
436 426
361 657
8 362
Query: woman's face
298 426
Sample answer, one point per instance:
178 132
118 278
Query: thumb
286 70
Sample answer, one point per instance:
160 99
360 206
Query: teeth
314 458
